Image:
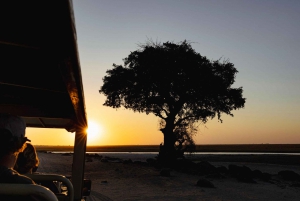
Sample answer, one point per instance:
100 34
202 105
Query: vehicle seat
20 191
66 195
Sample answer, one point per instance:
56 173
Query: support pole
78 163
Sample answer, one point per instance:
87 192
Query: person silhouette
27 163
12 133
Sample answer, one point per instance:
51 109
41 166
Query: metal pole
79 163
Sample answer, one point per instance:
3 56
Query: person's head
27 160
12 134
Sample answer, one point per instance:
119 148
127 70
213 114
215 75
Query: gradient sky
260 37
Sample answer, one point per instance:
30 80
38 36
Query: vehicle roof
40 77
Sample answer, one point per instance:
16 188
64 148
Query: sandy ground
117 181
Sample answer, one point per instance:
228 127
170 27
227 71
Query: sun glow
94 133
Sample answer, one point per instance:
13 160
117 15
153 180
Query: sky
260 37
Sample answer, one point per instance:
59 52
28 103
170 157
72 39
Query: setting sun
94 133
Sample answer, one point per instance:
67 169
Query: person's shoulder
12 176
22 179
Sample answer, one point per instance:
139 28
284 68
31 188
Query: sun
94 133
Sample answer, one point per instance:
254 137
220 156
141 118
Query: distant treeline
266 148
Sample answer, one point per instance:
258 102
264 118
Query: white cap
16 125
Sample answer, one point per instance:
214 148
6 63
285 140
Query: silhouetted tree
178 85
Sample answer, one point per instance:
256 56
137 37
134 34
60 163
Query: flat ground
114 180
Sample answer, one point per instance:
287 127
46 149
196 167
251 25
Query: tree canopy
175 83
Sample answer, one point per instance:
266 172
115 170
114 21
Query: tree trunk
167 151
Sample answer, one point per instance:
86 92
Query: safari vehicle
40 80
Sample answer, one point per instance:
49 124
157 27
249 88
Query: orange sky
123 127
